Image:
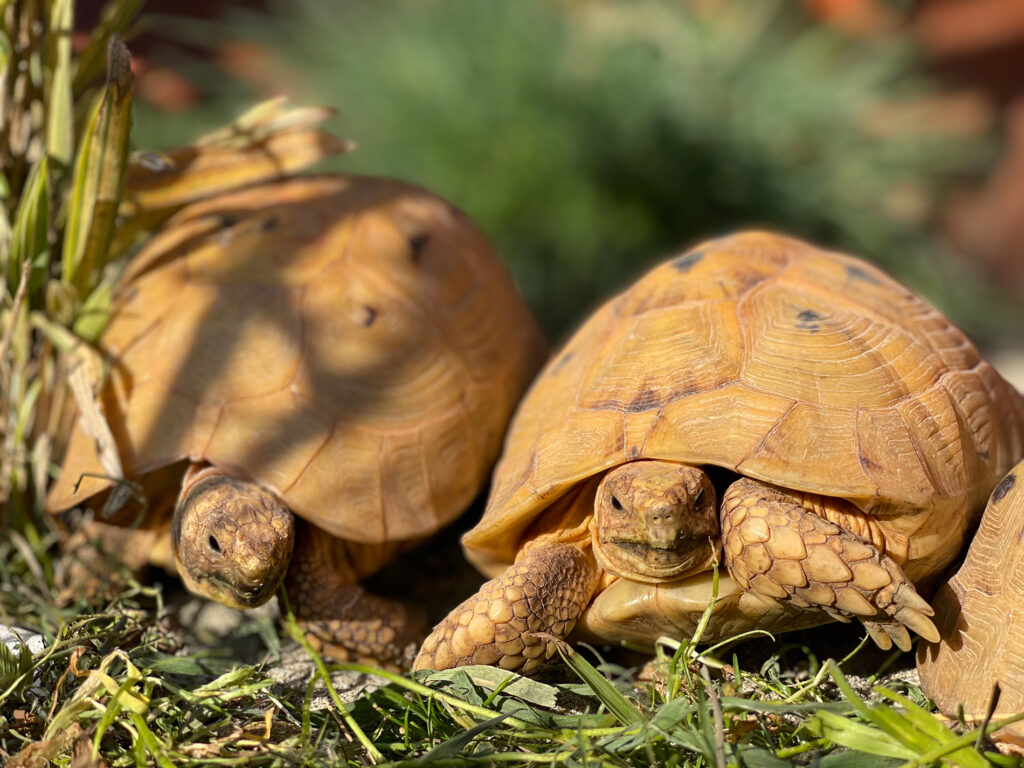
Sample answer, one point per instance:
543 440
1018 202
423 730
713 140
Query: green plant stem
807 746
299 636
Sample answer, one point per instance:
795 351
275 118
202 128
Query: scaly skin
544 592
232 539
340 618
774 545
654 519
651 523
234 542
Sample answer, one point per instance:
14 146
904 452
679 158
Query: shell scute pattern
976 613
352 344
807 369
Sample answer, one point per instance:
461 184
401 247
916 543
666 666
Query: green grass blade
343 712
944 741
95 313
150 742
451 747
900 728
885 718
860 736
60 111
31 223
99 175
852 759
15 670
621 707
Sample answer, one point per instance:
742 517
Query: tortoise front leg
339 616
88 568
778 544
544 592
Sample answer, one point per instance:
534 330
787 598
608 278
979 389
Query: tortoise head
232 539
655 521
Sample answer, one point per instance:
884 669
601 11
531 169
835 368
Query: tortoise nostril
214 544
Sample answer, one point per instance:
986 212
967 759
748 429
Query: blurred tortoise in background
346 349
850 432
979 613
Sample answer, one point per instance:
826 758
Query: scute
977 613
765 355
329 336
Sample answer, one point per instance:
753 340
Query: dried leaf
171 179
117 14
82 379
40 753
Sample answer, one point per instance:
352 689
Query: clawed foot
904 609
775 546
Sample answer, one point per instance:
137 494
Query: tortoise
850 431
977 615
321 365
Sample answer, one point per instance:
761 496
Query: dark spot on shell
868 464
687 261
1004 487
228 221
983 455
645 400
620 443
859 273
682 392
634 451
560 363
371 315
269 223
807 320
417 244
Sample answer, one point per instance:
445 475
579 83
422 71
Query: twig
19 298
993 702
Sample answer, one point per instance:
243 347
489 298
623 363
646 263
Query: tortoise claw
918 622
878 634
899 635
907 597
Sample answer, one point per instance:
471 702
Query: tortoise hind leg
339 616
545 591
777 543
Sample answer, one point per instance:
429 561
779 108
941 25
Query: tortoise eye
699 498
214 544
617 505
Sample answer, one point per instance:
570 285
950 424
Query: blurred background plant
590 139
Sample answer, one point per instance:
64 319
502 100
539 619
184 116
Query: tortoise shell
807 369
976 613
352 344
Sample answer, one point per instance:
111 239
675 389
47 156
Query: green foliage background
590 139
